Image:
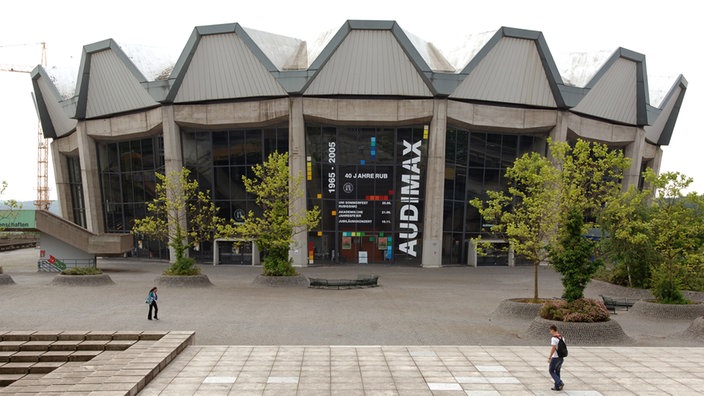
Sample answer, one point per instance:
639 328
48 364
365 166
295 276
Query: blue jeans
555 366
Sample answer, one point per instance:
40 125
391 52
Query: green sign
17 219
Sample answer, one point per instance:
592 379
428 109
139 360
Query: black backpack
561 348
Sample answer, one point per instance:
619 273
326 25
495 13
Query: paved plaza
422 332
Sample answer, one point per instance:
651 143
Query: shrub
0 270
82 271
184 266
277 263
666 288
580 310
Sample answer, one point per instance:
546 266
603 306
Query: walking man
555 360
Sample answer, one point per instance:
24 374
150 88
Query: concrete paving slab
587 371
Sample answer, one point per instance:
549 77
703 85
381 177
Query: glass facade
127 179
475 162
219 159
75 183
370 185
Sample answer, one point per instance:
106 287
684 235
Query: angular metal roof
47 99
660 132
512 72
369 62
109 83
618 92
222 62
364 58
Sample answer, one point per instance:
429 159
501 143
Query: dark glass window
475 162
75 182
127 179
219 160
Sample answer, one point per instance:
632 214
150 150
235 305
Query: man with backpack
558 351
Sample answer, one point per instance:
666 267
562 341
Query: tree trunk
535 280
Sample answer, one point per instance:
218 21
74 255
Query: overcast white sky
668 33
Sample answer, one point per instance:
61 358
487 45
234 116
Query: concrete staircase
62 361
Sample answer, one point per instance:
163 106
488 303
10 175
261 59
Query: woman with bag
151 300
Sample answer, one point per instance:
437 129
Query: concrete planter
6 279
696 329
282 281
578 333
653 310
183 280
82 280
516 308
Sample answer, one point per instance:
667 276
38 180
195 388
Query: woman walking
151 300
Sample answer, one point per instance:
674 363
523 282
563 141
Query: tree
677 234
627 247
657 234
274 229
181 215
591 176
535 209
526 214
574 256
11 205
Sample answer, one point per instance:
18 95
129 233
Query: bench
361 281
612 302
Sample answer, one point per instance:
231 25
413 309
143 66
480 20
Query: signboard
17 219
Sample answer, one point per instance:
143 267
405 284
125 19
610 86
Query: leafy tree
677 234
181 215
274 229
663 227
590 176
541 194
574 257
627 246
11 204
526 214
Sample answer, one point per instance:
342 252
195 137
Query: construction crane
42 202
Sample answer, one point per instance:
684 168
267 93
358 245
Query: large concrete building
392 139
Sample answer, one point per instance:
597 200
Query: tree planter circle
6 279
696 329
82 280
282 281
183 280
517 308
581 333
653 310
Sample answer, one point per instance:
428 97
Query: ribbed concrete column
90 174
657 161
634 151
173 159
297 169
559 133
434 187
62 182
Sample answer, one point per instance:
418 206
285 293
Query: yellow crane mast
42 201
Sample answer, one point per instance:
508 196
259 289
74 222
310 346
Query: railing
56 265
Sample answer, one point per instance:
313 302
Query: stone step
24 357
7 379
55 356
15 368
36 345
10 345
